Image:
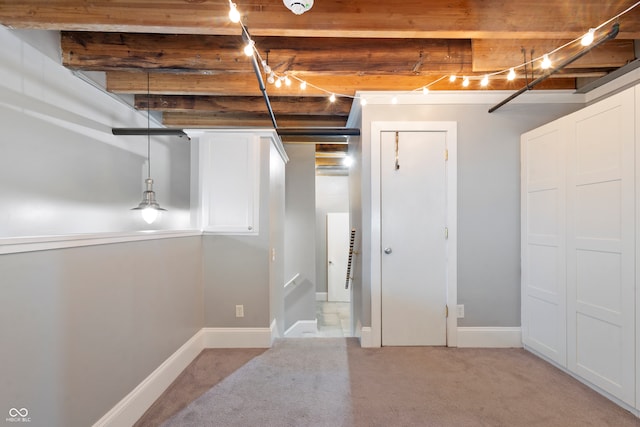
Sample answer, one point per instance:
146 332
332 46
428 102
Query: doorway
399 306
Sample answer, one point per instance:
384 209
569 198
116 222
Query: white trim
452 220
490 337
366 338
302 328
13 245
135 404
322 296
237 337
292 282
274 331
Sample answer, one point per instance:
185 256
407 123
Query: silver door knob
387 250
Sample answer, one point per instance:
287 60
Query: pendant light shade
149 207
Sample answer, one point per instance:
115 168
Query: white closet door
601 246
543 242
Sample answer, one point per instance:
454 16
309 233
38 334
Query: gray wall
236 268
61 170
488 202
82 327
300 237
332 195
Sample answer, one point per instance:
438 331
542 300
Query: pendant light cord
148 129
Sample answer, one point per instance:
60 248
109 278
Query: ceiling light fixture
149 207
298 6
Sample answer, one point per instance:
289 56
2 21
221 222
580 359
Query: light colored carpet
298 382
334 382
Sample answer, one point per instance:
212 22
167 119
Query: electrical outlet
460 311
239 310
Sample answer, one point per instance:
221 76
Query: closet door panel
543 248
601 246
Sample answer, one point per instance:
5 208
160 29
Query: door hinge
446 311
446 232
446 155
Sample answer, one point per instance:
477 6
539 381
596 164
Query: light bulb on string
452 78
303 85
511 75
278 83
465 81
485 81
425 90
248 48
332 98
587 39
546 62
234 15
271 79
287 81
265 67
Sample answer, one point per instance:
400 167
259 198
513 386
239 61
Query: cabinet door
543 242
601 245
230 180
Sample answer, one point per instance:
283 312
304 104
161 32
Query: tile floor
333 319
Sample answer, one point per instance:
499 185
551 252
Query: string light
248 48
587 39
272 78
234 15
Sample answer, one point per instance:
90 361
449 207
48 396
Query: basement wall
83 323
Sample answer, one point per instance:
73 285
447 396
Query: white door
413 224
337 256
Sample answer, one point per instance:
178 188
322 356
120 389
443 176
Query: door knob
387 250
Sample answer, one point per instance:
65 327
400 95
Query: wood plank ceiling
188 55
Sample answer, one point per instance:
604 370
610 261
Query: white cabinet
229 182
579 198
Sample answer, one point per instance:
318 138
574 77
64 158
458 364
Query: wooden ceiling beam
211 54
515 19
244 84
292 105
207 120
491 55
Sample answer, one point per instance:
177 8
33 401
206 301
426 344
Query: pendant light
148 206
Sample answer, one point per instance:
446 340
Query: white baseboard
490 337
366 340
237 337
274 331
135 404
302 328
322 296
